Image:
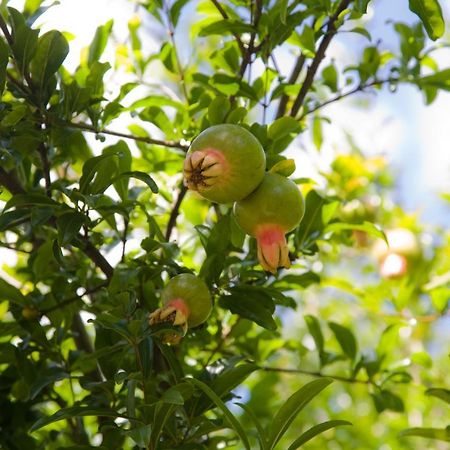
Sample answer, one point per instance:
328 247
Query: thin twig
147 140
312 69
292 79
175 211
224 14
171 32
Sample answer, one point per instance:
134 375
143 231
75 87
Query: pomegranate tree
186 303
224 163
272 210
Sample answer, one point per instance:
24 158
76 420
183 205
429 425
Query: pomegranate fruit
224 163
272 210
400 256
186 303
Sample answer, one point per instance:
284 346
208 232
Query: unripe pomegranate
186 303
393 266
225 163
401 254
273 209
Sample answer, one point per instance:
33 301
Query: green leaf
443 394
50 376
225 26
147 179
11 218
30 200
74 411
253 304
145 349
261 431
315 331
226 381
99 42
292 407
140 435
386 400
218 110
285 167
232 421
430 13
317 134
4 57
10 293
283 127
316 430
440 434
312 224
90 168
24 47
440 80
370 228
52 49
283 11
69 224
345 338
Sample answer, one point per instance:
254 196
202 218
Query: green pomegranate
225 163
186 303
272 210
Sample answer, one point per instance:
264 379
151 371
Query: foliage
92 229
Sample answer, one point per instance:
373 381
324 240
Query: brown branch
175 211
83 342
10 182
147 140
292 79
312 69
359 88
96 257
224 14
45 168
5 30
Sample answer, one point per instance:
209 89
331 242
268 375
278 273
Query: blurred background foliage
95 219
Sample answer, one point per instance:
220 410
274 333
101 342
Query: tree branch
312 69
292 79
224 14
147 140
175 211
359 88
10 182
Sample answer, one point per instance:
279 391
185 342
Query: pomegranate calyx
203 168
175 313
273 251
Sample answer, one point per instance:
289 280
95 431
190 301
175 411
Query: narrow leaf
4 56
316 430
440 434
291 408
74 411
443 394
430 13
51 51
233 422
345 338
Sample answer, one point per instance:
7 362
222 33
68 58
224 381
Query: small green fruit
225 163
186 303
272 210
